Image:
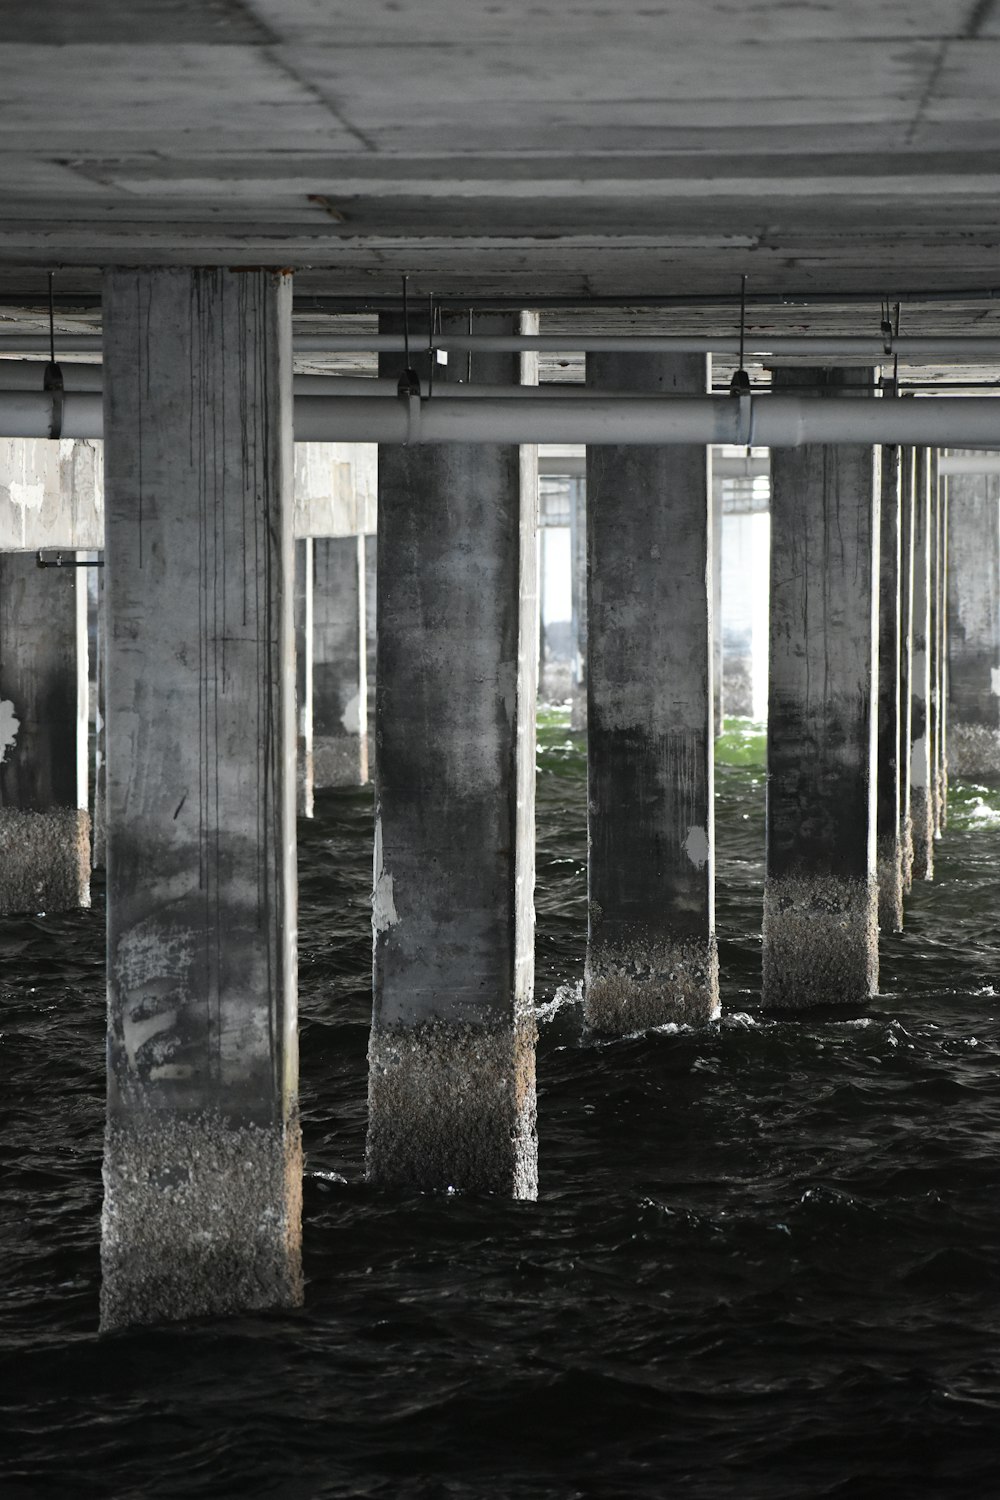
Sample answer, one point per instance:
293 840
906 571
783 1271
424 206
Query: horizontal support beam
969 463
763 421
863 348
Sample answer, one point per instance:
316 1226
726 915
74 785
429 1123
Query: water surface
765 1259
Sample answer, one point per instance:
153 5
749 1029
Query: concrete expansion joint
202 1217
640 981
452 1106
820 941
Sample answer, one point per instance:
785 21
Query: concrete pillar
371 637
718 673
578 585
202 1167
98 841
340 672
740 584
944 483
907 476
304 675
934 648
44 822
452 1055
820 895
651 950
974 626
889 843
921 728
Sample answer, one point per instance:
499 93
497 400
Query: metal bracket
52 384
61 562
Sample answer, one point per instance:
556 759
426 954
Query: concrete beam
52 493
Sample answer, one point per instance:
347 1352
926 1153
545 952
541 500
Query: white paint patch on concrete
351 717
995 681
919 764
697 847
9 725
384 914
27 496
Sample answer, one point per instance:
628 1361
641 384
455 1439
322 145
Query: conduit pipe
860 348
765 421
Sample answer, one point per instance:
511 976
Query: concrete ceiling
513 149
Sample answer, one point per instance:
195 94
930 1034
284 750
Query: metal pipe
931 348
761 421
724 466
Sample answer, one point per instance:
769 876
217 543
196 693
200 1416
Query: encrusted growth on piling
453 1106
922 819
201 1218
44 859
304 780
890 885
340 760
906 853
973 752
820 941
641 982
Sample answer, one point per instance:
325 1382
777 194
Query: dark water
765 1261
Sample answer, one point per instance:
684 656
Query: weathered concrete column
99 793
934 653
820 895
202 1167
304 675
651 950
921 762
452 1055
907 476
578 586
340 668
974 626
44 823
942 769
718 671
889 843
371 637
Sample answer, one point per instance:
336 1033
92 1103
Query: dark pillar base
906 853
889 868
922 821
820 941
340 762
634 984
453 1106
201 1219
44 859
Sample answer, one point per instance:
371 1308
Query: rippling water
765 1261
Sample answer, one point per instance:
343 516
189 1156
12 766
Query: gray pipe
763 421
